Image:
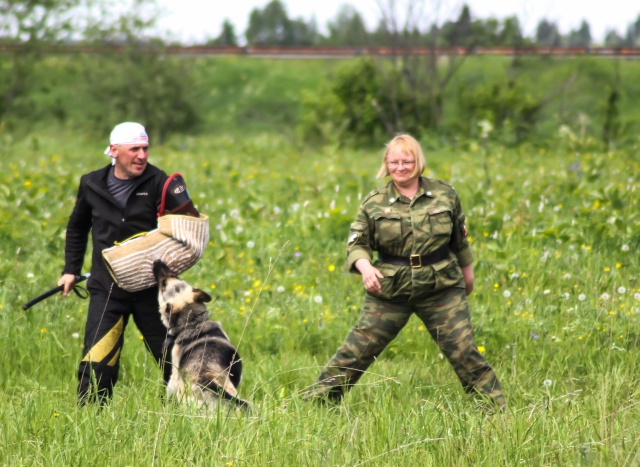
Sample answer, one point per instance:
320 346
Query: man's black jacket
97 211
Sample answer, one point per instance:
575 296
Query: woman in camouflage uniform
424 266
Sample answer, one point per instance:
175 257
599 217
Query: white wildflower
250 244
605 297
566 275
486 127
547 382
30 275
622 290
582 297
280 289
625 247
506 294
317 299
546 292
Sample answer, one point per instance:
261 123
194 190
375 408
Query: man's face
131 159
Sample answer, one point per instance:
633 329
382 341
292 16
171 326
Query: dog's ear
200 296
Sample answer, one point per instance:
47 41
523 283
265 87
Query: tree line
272 25
366 100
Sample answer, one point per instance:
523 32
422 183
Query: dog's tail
211 385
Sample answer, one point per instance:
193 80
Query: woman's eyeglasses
396 164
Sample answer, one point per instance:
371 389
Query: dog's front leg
175 386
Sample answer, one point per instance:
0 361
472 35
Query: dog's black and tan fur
206 366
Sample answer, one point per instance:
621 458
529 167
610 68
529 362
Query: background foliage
279 154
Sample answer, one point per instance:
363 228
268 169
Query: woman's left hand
467 272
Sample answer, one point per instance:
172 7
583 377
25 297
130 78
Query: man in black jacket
114 203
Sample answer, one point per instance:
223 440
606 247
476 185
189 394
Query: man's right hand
67 280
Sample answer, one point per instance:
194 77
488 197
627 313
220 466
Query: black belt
416 261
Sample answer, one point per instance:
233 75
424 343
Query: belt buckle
411 263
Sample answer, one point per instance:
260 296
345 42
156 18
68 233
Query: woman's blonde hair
410 147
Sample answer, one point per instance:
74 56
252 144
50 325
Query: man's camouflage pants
381 321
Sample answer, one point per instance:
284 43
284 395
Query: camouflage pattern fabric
396 225
381 321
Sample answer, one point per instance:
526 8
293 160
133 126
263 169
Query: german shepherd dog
206 366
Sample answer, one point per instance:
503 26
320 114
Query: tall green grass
556 311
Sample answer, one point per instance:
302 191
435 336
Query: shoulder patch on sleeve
357 228
353 238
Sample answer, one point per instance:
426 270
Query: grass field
556 311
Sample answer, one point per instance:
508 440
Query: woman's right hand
370 275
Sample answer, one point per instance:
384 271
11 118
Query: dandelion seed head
625 247
506 294
317 299
622 290
547 382
250 244
280 289
582 297
605 296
